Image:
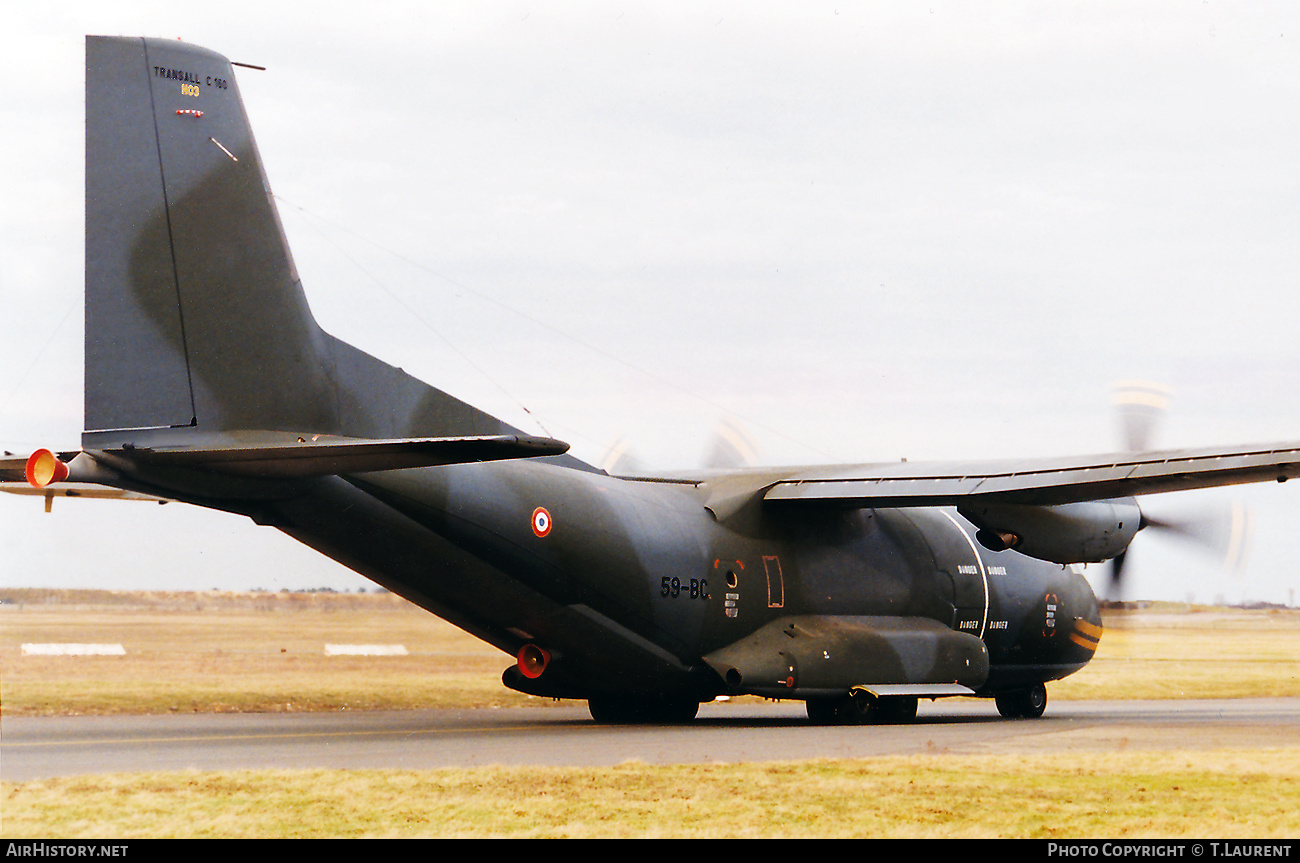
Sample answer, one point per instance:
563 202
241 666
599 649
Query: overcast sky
887 230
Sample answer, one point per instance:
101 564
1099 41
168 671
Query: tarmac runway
40 747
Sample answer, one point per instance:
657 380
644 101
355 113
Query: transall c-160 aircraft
857 589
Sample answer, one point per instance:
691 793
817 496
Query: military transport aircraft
857 589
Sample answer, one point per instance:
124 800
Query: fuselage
628 583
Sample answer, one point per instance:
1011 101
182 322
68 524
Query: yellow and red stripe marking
1085 634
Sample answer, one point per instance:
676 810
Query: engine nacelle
1087 532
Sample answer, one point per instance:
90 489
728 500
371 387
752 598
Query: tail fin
195 316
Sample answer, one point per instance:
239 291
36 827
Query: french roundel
541 521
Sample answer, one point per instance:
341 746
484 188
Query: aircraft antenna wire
36 358
537 322
308 216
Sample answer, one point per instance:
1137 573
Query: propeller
1226 532
1139 407
619 460
730 447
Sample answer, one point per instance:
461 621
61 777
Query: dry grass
1192 652
189 652
1225 793
211 651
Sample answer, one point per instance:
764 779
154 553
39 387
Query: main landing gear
1023 704
642 709
860 707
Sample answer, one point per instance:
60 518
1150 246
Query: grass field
264 652
1220 794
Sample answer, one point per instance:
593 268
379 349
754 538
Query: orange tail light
44 467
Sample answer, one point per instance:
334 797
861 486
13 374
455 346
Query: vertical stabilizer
194 312
195 317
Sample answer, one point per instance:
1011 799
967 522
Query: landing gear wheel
1025 704
859 708
895 709
823 711
642 709
677 711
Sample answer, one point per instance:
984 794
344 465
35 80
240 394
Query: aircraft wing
1038 482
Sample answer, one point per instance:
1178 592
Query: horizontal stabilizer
294 460
306 459
12 469
79 489
16 468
